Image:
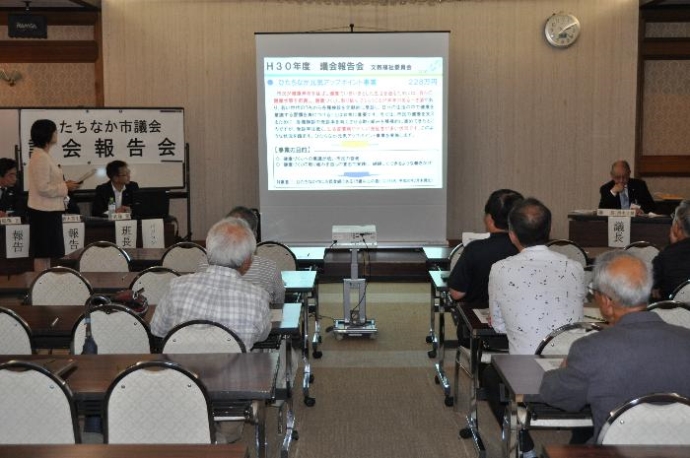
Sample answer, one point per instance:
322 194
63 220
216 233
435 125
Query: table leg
307 379
290 431
472 429
316 338
431 337
509 430
260 431
441 377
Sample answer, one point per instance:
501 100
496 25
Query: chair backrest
116 330
59 286
184 257
455 255
103 257
155 281
155 402
672 312
558 342
281 254
36 406
570 249
202 336
681 293
654 419
644 250
15 334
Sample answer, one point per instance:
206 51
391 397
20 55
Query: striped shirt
219 294
264 273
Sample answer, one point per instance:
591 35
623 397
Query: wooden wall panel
523 115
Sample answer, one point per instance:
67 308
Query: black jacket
637 193
104 192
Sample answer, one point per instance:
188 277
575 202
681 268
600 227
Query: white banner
619 231
17 241
126 233
73 233
152 235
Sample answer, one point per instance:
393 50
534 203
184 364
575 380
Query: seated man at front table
263 272
672 264
219 294
119 189
531 293
638 354
624 192
469 280
11 203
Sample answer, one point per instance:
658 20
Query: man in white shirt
537 290
531 293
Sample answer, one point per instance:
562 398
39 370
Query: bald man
625 192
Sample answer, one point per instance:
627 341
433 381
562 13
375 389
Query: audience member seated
263 272
219 293
119 189
625 192
638 354
672 264
533 292
469 279
11 201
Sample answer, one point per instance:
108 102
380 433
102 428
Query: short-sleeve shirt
219 294
471 273
672 267
533 293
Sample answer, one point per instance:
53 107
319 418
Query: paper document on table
482 315
549 364
276 315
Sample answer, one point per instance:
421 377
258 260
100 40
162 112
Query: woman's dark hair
42 132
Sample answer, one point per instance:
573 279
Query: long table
616 451
592 230
229 378
440 302
126 450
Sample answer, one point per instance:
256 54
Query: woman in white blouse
47 192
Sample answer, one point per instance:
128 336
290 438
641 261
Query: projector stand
354 322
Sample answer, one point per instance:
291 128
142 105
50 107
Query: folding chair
570 249
116 330
155 402
279 253
59 286
654 419
103 257
681 293
644 250
155 282
36 406
672 312
15 334
184 257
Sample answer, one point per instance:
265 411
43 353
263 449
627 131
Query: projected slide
354 123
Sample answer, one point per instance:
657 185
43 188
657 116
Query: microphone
90 347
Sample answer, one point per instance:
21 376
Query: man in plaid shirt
219 293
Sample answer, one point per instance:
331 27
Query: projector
355 236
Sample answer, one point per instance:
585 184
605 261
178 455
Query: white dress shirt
533 293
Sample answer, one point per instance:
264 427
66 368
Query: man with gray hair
638 354
263 271
219 293
672 264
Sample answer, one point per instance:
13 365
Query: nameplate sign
126 233
17 241
73 234
71 218
615 212
619 231
119 216
9 220
152 235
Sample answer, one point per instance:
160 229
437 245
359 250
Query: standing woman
47 192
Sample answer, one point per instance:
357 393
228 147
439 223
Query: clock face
562 30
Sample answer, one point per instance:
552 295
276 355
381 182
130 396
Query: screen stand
354 322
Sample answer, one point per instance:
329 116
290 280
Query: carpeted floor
378 397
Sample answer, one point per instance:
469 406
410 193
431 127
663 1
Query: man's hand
72 185
617 188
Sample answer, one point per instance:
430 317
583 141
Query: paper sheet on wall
17 241
126 233
152 235
73 234
619 231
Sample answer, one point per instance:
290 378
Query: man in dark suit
672 264
625 192
11 201
119 189
637 355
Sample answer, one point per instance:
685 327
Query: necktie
625 202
